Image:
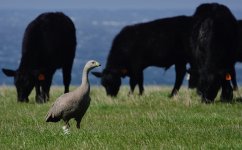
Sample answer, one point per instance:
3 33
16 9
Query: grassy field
152 121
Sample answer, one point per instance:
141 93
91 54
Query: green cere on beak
98 64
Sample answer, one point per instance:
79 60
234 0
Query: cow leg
41 95
66 77
140 83
193 77
45 85
46 89
132 83
233 79
227 91
135 79
180 73
43 88
38 97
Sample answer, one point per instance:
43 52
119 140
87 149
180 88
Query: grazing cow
160 43
49 43
238 58
214 41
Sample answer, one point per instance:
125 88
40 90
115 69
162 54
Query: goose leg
78 124
66 128
78 120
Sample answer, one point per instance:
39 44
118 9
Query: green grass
151 121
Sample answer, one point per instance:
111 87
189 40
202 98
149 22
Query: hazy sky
112 4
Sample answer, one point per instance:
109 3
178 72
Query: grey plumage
73 104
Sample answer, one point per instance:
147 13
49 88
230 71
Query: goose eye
93 62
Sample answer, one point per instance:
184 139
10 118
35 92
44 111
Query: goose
73 104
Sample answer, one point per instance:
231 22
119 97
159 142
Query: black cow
49 43
238 58
214 41
160 43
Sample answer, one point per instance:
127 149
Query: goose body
73 104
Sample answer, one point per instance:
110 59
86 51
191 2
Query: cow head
111 80
24 82
209 85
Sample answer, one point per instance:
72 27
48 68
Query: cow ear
97 74
9 73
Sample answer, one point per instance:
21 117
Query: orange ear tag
41 77
228 77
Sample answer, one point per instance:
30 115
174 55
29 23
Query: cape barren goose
73 104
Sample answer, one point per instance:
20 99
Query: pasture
151 121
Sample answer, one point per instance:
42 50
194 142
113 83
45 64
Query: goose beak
98 64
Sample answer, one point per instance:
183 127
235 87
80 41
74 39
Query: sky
112 4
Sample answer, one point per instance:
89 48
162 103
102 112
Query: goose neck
85 76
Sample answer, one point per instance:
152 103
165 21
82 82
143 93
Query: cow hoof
130 93
207 101
23 100
40 99
226 99
172 95
235 89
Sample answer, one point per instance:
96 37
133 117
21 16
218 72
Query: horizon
113 4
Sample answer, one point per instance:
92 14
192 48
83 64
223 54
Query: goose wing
64 103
